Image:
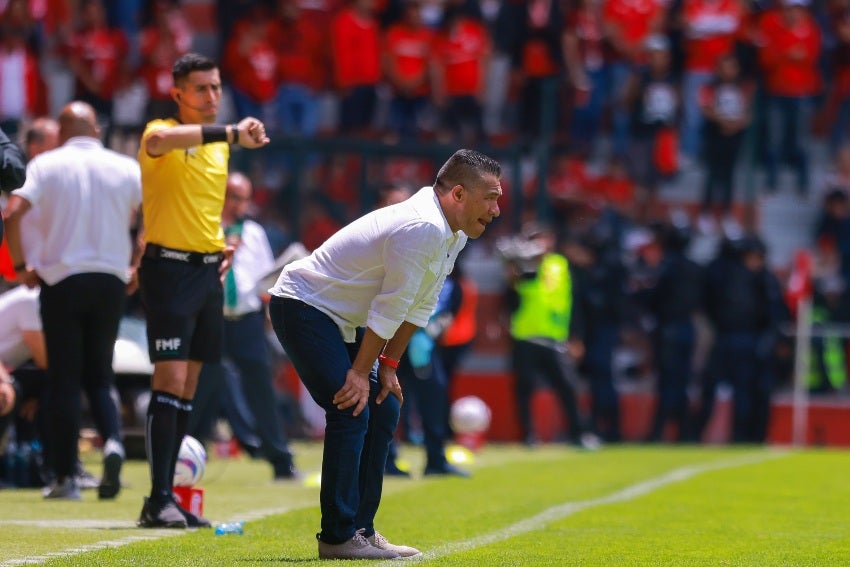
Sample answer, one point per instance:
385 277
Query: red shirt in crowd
628 23
711 28
251 61
31 99
460 54
789 52
99 56
301 50
159 47
356 49
407 51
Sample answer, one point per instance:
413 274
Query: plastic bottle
229 528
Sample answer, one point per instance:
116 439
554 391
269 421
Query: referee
184 172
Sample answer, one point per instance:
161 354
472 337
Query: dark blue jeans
355 447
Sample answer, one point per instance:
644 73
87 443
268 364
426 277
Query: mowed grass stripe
543 519
511 485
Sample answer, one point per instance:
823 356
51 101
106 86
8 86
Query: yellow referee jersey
183 194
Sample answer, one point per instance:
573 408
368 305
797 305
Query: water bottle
229 528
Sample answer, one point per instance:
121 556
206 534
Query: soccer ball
469 414
191 462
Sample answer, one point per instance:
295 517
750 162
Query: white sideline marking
561 511
147 535
536 522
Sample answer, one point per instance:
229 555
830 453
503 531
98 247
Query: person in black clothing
12 168
743 302
673 300
599 308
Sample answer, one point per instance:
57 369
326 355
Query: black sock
180 431
159 442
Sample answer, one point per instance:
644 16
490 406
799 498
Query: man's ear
457 192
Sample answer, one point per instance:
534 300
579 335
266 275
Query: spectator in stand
165 37
837 108
251 64
839 176
356 59
408 45
727 107
24 94
57 27
538 68
301 47
99 60
832 234
498 18
627 24
710 28
317 222
587 71
654 101
789 59
461 61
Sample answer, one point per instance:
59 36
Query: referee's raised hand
252 133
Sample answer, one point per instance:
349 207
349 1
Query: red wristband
387 361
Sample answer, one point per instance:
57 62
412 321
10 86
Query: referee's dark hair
188 63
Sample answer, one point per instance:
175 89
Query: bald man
86 196
249 399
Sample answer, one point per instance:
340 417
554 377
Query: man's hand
252 133
355 392
226 262
28 277
133 282
389 384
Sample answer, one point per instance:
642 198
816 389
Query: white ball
469 414
191 462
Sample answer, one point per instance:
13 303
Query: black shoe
166 515
446 470
391 469
286 471
110 484
192 520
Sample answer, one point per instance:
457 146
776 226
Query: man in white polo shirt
345 315
87 196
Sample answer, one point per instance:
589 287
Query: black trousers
80 317
550 362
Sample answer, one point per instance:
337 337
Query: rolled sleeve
408 256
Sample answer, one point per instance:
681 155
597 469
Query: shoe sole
110 486
153 524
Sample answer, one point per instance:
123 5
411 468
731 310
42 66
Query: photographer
540 300
12 168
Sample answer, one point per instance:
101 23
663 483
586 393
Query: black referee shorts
183 305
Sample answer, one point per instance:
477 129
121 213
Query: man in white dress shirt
345 314
86 196
245 345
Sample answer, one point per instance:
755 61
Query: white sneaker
403 551
355 548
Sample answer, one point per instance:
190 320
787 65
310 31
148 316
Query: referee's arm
248 133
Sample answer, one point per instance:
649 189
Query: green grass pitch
548 506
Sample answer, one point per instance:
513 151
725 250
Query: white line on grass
561 511
147 535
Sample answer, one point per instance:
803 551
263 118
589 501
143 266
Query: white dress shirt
18 313
85 196
252 260
384 268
